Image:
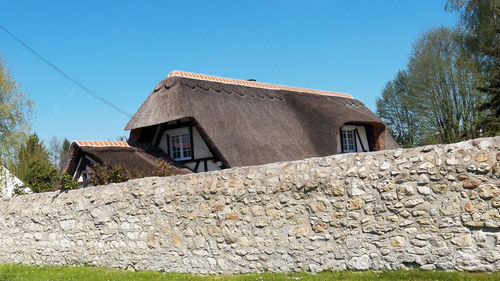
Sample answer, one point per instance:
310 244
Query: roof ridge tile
102 143
254 84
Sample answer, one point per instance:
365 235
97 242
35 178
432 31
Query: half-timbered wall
203 159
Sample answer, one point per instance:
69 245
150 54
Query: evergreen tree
33 166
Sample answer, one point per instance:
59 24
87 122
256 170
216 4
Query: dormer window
182 141
180 144
354 138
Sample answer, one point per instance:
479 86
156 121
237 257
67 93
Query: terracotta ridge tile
254 84
102 143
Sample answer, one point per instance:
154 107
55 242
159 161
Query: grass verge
54 273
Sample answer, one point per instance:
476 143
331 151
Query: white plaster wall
200 147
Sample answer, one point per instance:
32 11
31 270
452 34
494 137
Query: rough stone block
355 204
397 241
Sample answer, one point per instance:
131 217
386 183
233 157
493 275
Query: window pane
348 140
181 147
186 146
176 147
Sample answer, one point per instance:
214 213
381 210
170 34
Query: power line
67 76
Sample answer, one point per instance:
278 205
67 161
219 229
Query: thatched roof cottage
206 123
209 122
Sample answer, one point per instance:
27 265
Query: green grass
53 273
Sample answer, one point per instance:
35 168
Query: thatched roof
252 123
113 153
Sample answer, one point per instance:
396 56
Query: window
180 145
348 140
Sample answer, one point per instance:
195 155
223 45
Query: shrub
20 190
104 174
66 182
162 168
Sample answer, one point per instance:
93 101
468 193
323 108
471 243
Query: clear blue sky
122 49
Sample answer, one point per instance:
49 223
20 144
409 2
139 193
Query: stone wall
433 207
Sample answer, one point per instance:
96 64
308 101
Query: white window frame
344 141
180 132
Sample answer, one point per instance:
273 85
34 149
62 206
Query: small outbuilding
9 182
84 154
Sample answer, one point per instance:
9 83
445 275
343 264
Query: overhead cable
67 76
